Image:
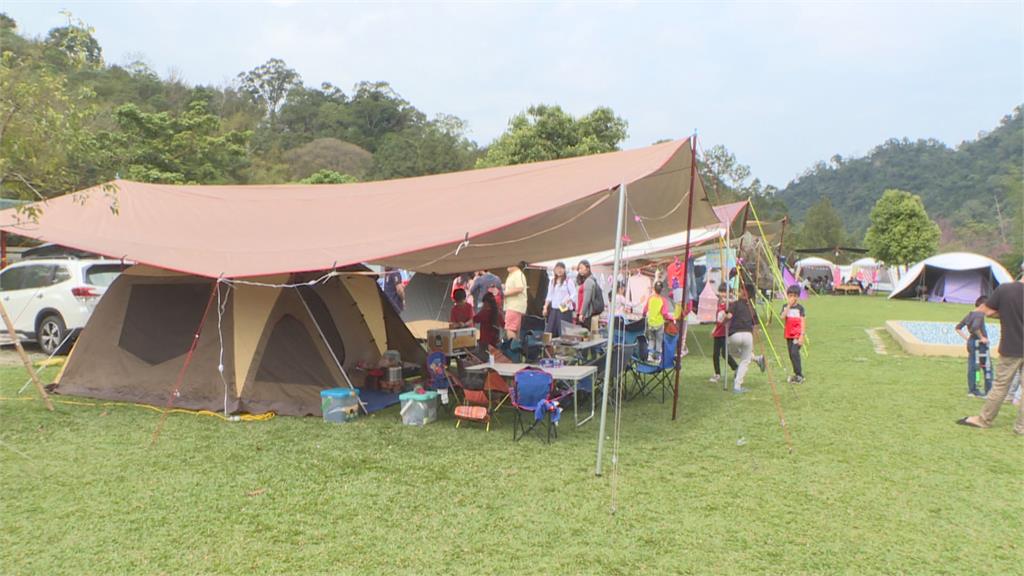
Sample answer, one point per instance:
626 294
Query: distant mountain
960 187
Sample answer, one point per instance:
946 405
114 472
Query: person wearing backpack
589 300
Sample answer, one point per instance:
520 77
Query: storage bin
339 405
418 409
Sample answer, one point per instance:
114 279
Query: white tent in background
952 277
814 266
883 277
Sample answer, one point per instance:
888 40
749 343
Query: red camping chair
477 403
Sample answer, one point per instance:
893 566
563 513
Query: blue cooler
339 405
418 409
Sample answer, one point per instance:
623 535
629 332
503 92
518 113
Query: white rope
221 306
320 280
48 358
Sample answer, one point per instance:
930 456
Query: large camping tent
278 346
952 277
559 207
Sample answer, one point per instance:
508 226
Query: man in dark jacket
1006 303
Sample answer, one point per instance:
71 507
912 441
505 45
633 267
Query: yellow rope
776 273
241 417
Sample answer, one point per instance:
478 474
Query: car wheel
51 333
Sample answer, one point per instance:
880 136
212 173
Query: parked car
50 300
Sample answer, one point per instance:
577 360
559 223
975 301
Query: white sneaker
716 378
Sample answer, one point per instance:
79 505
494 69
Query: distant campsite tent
281 346
813 267
869 270
952 277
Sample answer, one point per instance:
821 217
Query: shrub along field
880 481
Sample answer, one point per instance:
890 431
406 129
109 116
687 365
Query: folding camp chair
622 364
475 407
532 391
648 376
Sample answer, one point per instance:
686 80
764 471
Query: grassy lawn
881 481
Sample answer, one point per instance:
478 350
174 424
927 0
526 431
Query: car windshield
102 274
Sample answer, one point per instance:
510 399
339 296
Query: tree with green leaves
268 85
76 42
545 132
46 147
328 177
901 231
822 227
181 148
433 148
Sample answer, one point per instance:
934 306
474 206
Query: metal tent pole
611 329
728 290
686 269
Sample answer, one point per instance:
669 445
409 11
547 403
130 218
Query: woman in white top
558 306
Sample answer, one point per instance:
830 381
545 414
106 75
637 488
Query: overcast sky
782 85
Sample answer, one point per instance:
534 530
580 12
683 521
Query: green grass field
881 481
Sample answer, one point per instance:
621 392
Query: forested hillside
70 120
974 192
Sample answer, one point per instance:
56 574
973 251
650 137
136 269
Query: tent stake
681 321
609 348
24 358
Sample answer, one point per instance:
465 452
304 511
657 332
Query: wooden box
448 340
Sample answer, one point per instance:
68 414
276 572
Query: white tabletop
583 344
508 370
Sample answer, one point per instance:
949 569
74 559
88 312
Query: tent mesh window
322 316
292 357
161 319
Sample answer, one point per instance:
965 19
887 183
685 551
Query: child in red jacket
796 326
719 337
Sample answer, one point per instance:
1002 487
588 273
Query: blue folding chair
531 394
649 376
437 375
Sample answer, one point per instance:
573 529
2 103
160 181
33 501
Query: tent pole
334 357
25 359
609 348
723 259
681 321
782 239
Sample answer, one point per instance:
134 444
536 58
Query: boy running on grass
796 326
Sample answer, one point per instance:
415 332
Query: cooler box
339 405
448 340
418 409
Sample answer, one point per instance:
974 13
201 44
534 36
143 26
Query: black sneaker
798 379
760 362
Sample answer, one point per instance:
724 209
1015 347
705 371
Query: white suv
51 300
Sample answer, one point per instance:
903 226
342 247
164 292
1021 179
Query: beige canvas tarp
445 223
